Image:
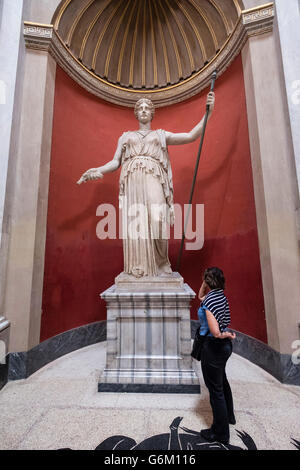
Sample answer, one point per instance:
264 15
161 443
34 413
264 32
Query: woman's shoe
232 420
210 436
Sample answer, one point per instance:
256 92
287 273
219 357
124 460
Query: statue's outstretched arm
187 137
95 173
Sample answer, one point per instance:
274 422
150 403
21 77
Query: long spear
213 79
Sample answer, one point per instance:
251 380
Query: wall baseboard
278 365
21 365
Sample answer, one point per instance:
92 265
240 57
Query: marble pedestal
149 336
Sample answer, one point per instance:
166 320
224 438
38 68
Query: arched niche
163 50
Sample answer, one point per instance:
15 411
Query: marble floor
59 407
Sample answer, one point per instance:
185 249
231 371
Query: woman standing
214 317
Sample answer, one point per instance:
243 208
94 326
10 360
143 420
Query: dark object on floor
296 443
188 440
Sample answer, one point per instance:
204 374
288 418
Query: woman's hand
210 101
91 174
227 334
203 291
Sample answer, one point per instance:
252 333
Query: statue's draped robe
146 199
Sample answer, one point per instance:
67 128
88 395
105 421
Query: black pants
215 354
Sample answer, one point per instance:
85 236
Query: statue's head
144 105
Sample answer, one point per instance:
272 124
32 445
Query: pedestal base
149 339
147 388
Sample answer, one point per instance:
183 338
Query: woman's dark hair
214 278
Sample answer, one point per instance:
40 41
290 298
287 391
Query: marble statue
146 190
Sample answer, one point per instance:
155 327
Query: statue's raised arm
187 137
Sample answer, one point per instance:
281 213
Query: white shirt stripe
217 303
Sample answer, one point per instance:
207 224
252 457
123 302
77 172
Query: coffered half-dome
166 50
145 44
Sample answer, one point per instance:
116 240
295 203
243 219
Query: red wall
79 266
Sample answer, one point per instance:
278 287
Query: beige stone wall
29 211
42 11
12 62
275 187
253 3
25 211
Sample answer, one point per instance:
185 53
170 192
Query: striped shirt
216 302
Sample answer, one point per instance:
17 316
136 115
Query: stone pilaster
287 23
275 187
25 267
22 212
11 70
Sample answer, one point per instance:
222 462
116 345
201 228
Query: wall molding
252 22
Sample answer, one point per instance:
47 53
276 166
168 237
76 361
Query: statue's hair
149 102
